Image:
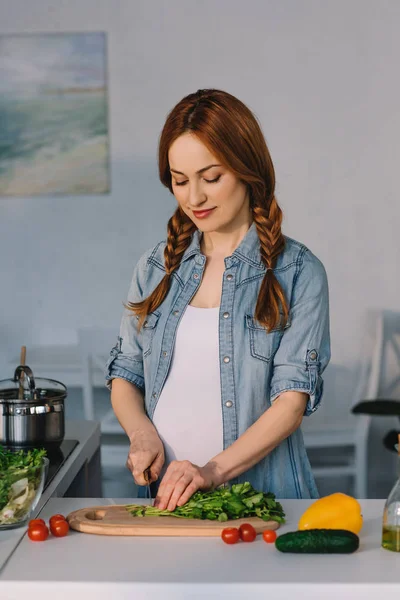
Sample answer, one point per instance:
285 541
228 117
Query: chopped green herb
223 504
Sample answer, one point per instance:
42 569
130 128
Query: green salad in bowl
22 477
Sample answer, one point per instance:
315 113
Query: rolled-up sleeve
304 349
126 357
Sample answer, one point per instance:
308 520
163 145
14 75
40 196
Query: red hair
233 135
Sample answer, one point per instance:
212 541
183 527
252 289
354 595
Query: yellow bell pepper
337 511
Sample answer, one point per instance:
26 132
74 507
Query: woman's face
211 196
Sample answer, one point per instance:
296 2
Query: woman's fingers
171 489
156 467
188 493
174 491
171 476
185 487
179 475
137 464
145 449
139 476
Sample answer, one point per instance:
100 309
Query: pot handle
28 374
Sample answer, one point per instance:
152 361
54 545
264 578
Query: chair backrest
392 322
94 348
374 380
390 367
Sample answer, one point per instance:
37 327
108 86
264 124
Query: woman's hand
181 480
146 450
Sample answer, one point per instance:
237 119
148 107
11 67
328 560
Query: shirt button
165 353
313 355
228 403
175 313
226 315
154 395
196 276
229 277
226 359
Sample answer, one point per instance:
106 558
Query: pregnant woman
225 332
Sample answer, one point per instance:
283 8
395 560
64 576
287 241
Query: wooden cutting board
116 520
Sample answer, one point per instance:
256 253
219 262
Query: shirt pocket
148 331
263 344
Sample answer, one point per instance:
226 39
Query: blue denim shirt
255 366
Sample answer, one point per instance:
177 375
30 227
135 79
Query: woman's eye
207 180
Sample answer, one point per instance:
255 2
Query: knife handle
146 475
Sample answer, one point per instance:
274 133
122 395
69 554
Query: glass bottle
391 516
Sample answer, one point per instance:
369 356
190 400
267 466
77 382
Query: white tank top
188 415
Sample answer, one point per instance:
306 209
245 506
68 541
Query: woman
226 330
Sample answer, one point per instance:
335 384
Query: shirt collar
249 248
194 246
247 251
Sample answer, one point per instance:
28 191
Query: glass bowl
20 492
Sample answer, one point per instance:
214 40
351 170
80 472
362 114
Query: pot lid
25 387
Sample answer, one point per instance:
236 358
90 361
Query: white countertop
93 566
88 435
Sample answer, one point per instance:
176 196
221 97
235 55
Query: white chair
381 329
390 326
94 348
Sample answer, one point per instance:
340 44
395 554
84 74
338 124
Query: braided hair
180 230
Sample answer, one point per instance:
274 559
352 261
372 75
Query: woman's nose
196 197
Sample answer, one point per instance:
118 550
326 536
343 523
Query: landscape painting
53 114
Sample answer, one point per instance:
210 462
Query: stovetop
57 458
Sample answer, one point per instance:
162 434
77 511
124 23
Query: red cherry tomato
269 536
34 522
247 532
59 528
230 535
38 533
57 517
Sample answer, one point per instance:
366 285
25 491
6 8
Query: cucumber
318 541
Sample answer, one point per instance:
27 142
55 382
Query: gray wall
320 76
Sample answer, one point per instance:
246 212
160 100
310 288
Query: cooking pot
31 410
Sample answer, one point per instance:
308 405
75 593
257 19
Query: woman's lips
201 214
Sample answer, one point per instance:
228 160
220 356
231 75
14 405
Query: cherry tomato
230 535
34 522
59 528
38 533
247 532
57 517
269 536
